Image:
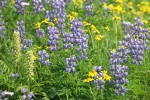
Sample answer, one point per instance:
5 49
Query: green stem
92 93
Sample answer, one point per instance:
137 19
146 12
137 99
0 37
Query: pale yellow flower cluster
17 45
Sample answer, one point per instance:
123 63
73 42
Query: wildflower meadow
74 50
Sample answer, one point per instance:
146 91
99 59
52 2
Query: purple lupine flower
67 1
2 4
53 38
40 33
100 83
27 43
105 1
24 97
135 40
71 64
21 29
50 15
118 72
47 2
89 8
15 75
24 90
44 57
19 7
30 95
5 93
59 11
79 38
38 6
68 40
2 26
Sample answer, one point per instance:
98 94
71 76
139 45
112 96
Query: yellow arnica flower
38 47
111 7
55 19
145 3
92 73
107 77
47 47
86 23
86 31
148 29
107 28
130 4
105 6
99 78
88 80
98 37
74 14
45 20
51 24
104 72
139 13
70 17
119 1
94 29
35 57
116 18
145 21
77 2
114 50
38 25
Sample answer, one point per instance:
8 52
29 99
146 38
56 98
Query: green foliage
52 82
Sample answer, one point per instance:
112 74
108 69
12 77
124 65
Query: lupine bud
17 45
30 64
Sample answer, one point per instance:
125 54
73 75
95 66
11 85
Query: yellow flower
107 77
116 18
86 23
70 17
145 3
99 78
111 7
38 47
118 8
94 29
86 31
104 72
45 20
78 2
35 57
92 73
55 19
148 29
130 4
107 28
119 1
51 24
88 80
145 21
139 13
98 37
47 47
114 50
74 14
38 25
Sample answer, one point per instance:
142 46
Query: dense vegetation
74 49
